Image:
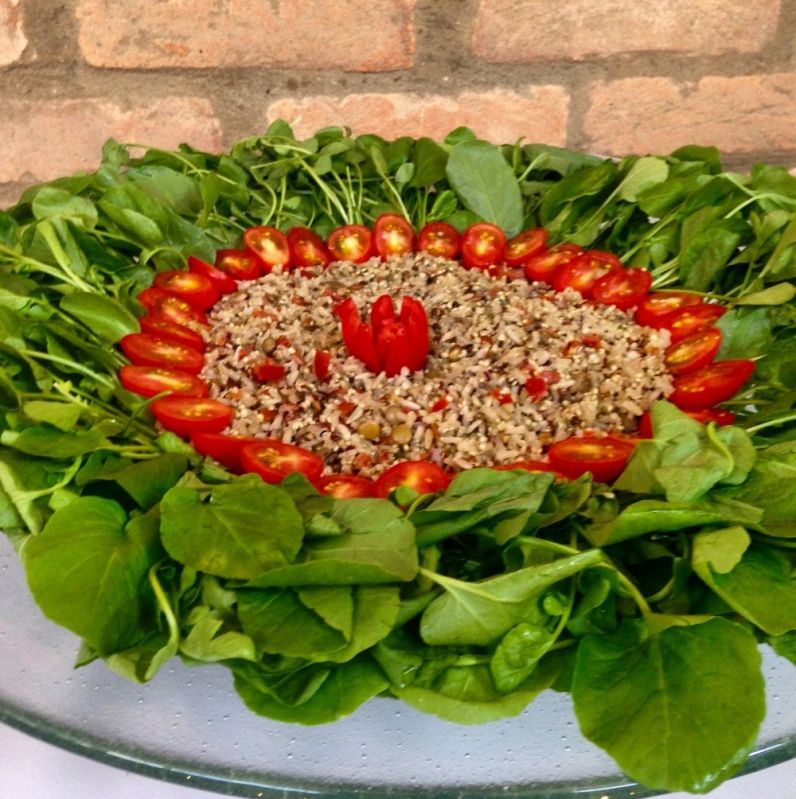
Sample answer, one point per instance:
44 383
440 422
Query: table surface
33 769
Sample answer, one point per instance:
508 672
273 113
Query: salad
638 567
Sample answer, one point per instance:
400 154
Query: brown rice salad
469 406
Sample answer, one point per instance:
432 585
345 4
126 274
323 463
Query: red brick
354 35
40 140
750 113
507 31
538 113
12 37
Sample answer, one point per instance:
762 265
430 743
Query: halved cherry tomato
171 307
440 240
483 244
269 245
543 266
655 307
424 477
147 381
274 460
622 288
224 448
525 245
221 280
239 264
160 326
321 363
346 486
352 243
704 415
307 248
692 352
144 349
195 289
393 235
267 370
185 416
583 272
528 466
711 384
604 457
692 319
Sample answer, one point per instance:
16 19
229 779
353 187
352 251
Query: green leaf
746 333
86 569
63 415
50 201
646 172
720 550
209 642
778 294
486 185
678 711
238 530
103 315
49 442
429 160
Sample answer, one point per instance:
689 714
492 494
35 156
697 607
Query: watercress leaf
86 570
334 604
430 160
45 441
585 183
133 223
777 294
141 662
209 642
485 183
63 415
104 316
517 654
770 487
784 645
720 550
707 251
678 710
178 191
646 172
759 586
148 481
345 687
238 530
50 201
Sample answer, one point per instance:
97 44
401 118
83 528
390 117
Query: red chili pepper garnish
390 342
321 364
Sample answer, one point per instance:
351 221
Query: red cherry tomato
195 289
274 460
583 272
704 415
528 466
321 363
171 307
424 477
483 244
307 248
267 370
525 245
393 235
712 384
269 245
440 240
352 243
185 416
144 349
239 264
223 448
692 319
655 307
604 457
221 280
543 266
160 326
346 486
622 288
147 381
692 352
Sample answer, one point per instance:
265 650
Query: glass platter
189 724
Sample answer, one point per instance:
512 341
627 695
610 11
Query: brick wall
608 76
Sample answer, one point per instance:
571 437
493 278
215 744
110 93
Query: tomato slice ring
582 272
274 460
239 264
307 248
605 457
712 384
352 243
171 307
159 325
393 235
542 267
221 280
269 245
148 381
483 244
440 240
424 477
692 319
655 307
346 486
720 416
144 349
195 289
622 288
692 352
529 466
185 416
525 245
224 448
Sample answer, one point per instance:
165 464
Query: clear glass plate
189 723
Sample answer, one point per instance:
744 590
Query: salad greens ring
647 600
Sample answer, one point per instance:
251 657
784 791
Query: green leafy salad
646 599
